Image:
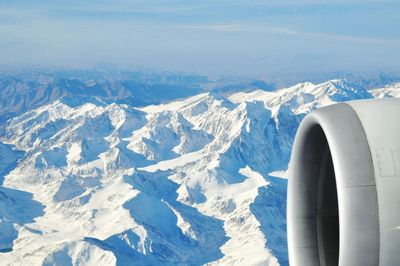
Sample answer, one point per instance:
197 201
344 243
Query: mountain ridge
188 181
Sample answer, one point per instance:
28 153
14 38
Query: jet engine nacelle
344 186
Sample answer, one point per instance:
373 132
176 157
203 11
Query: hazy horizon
210 38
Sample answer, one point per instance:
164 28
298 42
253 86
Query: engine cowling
344 186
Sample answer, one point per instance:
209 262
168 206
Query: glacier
198 180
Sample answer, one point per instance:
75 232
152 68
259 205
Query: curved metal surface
344 186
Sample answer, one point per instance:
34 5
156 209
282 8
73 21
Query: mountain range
151 177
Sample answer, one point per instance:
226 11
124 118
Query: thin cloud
283 31
238 28
210 36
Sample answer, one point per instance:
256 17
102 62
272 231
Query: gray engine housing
344 186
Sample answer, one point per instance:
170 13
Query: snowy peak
94 166
392 90
304 97
166 135
180 182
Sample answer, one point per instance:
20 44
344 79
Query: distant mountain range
151 173
22 90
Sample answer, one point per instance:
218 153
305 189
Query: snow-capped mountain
24 90
190 182
392 90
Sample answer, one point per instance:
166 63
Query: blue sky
208 37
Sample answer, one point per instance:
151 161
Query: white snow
281 174
392 90
165 184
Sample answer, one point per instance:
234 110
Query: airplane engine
344 186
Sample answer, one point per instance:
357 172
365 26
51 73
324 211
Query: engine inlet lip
356 189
